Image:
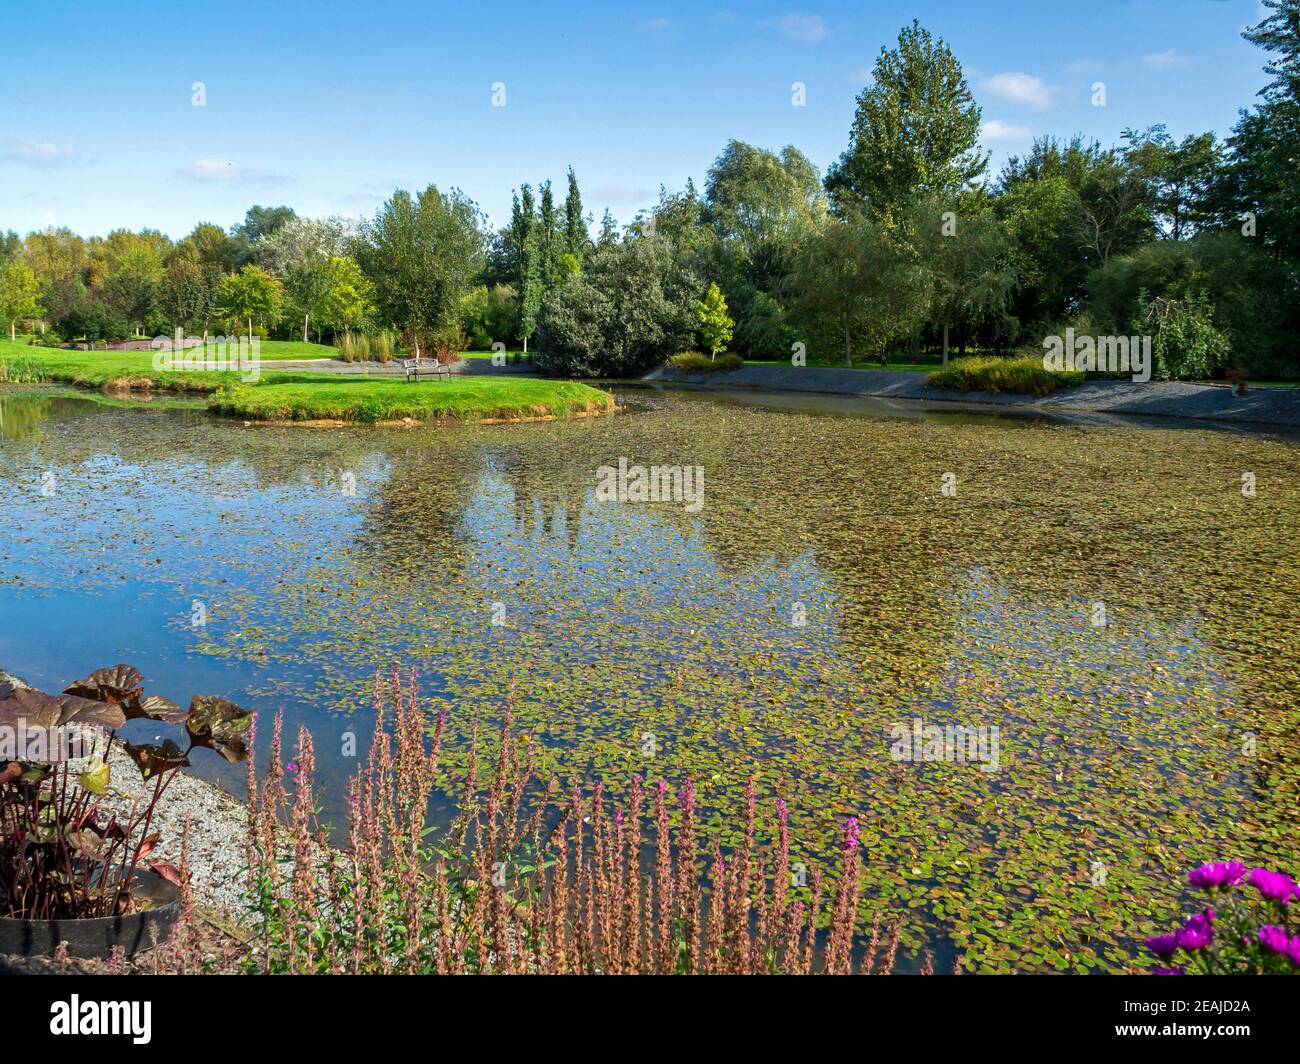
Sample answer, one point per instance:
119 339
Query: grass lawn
94 369
308 397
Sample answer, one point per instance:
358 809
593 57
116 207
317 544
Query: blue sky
329 106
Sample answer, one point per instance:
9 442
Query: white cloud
38 153
1020 88
654 25
224 172
806 28
1170 58
861 77
996 130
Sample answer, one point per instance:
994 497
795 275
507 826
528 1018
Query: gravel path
1270 406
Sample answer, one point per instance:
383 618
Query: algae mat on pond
643 639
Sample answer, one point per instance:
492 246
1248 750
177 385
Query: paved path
1271 406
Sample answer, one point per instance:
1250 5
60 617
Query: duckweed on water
642 639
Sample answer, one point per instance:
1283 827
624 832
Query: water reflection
827 591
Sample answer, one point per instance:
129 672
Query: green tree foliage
576 240
210 245
348 301
965 261
301 253
251 295
714 322
130 288
20 294
185 295
258 224
853 284
61 261
1181 177
422 254
1231 277
915 132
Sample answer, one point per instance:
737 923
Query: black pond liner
95 938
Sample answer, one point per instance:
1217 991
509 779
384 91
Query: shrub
560 887
630 309
58 859
1024 375
1184 340
694 362
1241 932
448 345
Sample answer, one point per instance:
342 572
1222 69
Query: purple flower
1274 939
851 835
1166 971
1218 874
1276 886
1163 945
1198 933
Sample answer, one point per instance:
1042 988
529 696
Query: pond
1112 610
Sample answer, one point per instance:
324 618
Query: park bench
413 367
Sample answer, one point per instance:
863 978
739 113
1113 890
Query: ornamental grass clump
1026 376
527 879
1249 927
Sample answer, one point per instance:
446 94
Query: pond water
1108 599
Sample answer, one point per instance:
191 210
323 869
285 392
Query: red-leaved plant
61 855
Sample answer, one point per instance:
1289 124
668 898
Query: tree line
907 248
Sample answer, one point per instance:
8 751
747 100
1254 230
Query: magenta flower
1166 971
1198 933
1274 939
1276 886
851 835
1218 874
1163 945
